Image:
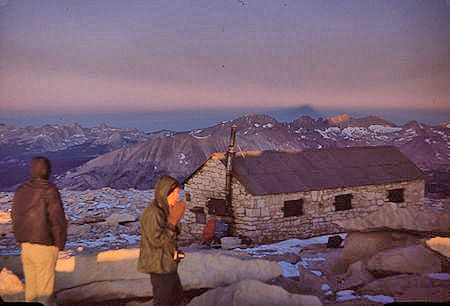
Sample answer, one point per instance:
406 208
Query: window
200 216
217 207
343 202
396 195
293 208
187 196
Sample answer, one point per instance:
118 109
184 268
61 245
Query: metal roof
272 172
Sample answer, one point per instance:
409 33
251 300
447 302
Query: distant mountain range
183 119
66 146
124 158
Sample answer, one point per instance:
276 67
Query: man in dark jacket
40 226
160 226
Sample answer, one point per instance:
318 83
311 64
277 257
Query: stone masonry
261 217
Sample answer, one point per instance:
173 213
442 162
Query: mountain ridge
180 154
89 158
66 146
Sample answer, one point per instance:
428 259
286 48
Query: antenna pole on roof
230 154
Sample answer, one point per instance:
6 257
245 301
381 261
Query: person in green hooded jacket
160 226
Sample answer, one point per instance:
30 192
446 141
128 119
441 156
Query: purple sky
86 56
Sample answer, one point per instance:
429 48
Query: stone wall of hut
207 183
262 217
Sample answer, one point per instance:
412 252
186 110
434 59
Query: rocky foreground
394 254
101 219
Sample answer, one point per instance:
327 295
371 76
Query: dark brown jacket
37 211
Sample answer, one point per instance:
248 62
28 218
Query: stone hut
278 195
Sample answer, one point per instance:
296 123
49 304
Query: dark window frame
200 215
343 202
293 208
217 207
396 195
187 196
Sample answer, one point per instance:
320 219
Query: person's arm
57 218
158 231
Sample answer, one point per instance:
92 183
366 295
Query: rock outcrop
11 287
314 284
410 288
393 217
387 253
5 229
411 259
252 292
112 274
106 290
356 275
361 246
211 269
440 245
116 219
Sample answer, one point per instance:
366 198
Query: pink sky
147 55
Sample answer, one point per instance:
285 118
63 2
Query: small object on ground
334 242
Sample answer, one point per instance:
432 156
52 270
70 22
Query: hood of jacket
162 187
40 168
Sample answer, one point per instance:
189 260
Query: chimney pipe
230 155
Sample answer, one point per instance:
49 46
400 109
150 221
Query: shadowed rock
410 288
356 275
411 259
362 246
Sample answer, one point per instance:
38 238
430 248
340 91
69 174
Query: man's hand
176 212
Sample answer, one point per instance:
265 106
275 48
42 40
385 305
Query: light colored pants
39 262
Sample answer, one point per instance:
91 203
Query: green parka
158 237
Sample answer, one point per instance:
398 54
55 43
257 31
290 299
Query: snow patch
345 292
354 132
103 205
199 137
332 130
287 246
382 129
181 156
441 276
346 295
347 298
316 272
411 131
314 258
268 125
379 298
130 238
289 270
